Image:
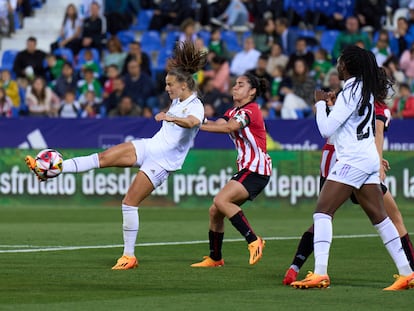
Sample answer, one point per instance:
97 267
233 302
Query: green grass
81 279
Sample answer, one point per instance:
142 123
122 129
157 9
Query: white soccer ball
49 163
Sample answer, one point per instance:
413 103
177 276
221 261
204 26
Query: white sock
80 164
130 227
322 241
392 242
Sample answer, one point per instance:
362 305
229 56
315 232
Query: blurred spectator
6 105
235 14
370 13
7 9
382 48
301 52
85 7
29 62
147 113
402 39
287 36
24 7
276 58
90 105
53 68
209 111
135 52
188 30
69 106
219 73
217 44
41 100
332 81
350 36
265 8
392 65
67 80
126 108
114 54
274 105
89 83
89 62
407 63
170 12
120 14
219 101
11 87
111 72
246 59
332 14
93 29
321 66
118 91
140 86
403 106
300 96
264 34
70 31
260 72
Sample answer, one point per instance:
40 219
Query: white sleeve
198 111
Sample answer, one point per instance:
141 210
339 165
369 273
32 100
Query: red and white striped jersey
250 139
328 157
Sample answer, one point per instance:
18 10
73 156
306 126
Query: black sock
216 241
408 249
239 221
305 248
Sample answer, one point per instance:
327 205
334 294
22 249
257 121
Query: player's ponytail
187 59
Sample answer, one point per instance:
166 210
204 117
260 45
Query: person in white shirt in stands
245 59
158 156
351 127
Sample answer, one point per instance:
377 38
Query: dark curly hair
187 59
260 84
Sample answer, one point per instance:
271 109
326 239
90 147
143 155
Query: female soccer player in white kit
158 156
350 126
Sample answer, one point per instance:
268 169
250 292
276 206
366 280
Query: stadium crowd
109 59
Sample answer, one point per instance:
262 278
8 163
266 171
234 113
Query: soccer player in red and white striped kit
244 123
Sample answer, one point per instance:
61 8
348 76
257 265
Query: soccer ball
49 163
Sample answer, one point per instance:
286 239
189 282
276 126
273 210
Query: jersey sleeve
383 114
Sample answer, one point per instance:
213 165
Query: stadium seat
171 38
230 37
143 20
151 41
328 38
81 57
126 37
66 54
7 59
205 35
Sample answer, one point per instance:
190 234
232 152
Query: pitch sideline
34 249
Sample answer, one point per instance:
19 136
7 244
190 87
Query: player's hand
321 95
386 165
160 116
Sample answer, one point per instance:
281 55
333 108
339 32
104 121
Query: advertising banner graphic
294 182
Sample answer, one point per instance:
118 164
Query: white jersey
351 134
170 145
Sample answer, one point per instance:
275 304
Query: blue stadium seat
162 58
81 57
7 59
151 41
143 20
126 37
232 42
171 38
328 38
66 54
205 35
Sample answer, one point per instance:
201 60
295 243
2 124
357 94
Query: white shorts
156 174
349 175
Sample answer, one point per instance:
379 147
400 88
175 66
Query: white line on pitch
33 249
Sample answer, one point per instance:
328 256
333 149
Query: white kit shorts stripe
349 175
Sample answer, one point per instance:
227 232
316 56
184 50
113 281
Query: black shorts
253 182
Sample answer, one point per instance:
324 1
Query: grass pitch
59 258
